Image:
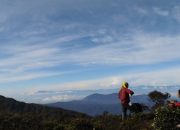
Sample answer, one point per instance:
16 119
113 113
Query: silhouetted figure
124 96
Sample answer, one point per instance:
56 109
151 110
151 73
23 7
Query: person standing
124 97
174 103
177 104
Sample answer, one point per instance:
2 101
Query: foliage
82 124
21 116
104 122
156 95
166 118
14 121
159 98
138 121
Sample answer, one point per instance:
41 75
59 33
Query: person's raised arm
129 91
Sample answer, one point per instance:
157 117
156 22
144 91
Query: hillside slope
9 105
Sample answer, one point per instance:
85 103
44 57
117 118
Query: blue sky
64 45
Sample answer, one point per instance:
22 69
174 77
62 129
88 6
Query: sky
57 50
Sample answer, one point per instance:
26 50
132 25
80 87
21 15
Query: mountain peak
96 104
103 98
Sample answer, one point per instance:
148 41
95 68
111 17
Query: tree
159 98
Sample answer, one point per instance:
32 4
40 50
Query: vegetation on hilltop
21 116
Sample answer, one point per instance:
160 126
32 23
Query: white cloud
138 49
176 13
37 35
161 11
119 18
21 61
162 77
141 10
58 98
6 78
105 39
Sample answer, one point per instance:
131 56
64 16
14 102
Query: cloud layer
43 39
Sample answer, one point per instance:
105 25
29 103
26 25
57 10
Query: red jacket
124 95
177 104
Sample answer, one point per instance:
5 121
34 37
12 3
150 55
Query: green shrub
59 127
107 122
80 124
158 98
138 121
166 118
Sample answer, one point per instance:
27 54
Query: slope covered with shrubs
21 116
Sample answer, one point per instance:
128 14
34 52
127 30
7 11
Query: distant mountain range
96 104
9 105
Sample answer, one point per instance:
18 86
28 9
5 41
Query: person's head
125 85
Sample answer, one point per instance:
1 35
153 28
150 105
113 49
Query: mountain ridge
97 104
10 105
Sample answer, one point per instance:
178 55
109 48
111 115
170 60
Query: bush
158 98
166 118
59 127
107 122
138 121
80 124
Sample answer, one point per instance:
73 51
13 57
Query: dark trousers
125 107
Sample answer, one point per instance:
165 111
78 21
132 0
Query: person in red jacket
177 104
124 94
173 103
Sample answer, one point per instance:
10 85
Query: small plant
82 124
138 121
